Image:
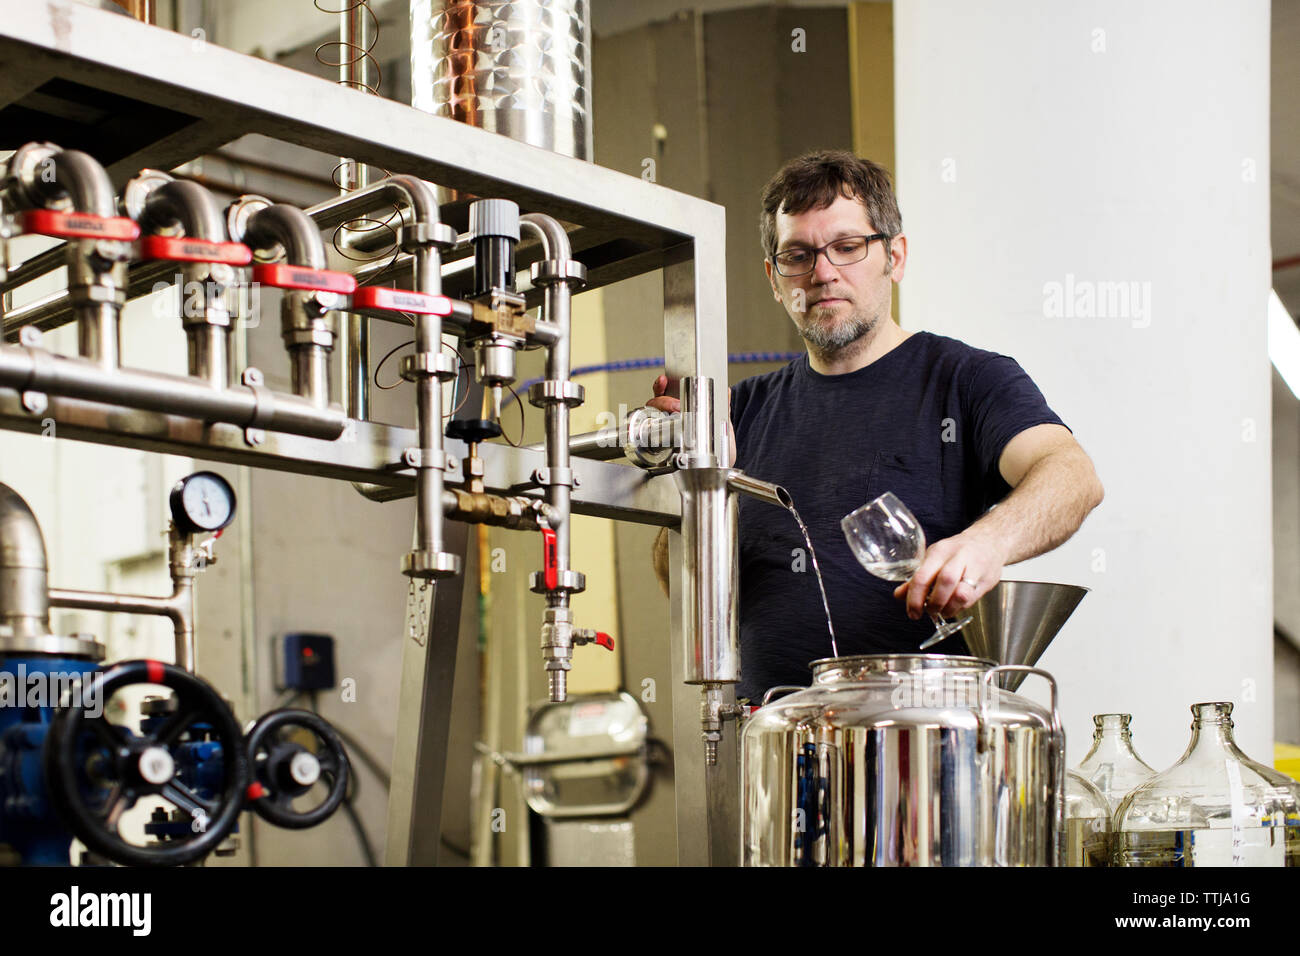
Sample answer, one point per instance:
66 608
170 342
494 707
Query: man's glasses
842 252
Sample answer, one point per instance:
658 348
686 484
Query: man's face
835 306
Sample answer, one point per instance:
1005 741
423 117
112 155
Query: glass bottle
1087 823
1112 766
1215 807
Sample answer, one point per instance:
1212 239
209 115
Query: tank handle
1058 746
780 689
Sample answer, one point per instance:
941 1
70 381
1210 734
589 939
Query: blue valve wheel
96 770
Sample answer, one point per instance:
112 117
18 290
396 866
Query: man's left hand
955 573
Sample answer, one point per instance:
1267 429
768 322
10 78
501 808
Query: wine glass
888 541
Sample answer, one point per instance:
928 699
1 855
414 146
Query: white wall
1116 142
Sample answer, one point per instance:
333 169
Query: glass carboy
1087 823
1215 807
1112 765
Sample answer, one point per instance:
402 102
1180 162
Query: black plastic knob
473 429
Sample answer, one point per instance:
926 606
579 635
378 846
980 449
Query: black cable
354 788
521 421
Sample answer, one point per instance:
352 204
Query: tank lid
831 670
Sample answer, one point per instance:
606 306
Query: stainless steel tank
903 760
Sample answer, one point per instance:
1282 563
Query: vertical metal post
419 768
356 37
695 344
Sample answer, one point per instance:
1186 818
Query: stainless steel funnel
1014 623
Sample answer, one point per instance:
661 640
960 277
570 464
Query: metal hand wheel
96 770
284 768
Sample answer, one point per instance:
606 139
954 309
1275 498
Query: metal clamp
545 476
263 406
411 236
421 364
566 580
554 391
550 271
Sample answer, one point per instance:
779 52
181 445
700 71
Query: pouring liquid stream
835 651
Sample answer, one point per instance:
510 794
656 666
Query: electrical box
304 661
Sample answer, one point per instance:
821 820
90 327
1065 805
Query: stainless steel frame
623 226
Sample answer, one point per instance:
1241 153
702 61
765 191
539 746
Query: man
952 430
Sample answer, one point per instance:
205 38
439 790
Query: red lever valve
382 299
550 559
283 276
587 635
79 225
184 249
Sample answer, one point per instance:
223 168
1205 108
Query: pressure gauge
202 502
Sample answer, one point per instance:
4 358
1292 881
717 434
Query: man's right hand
667 400
666 397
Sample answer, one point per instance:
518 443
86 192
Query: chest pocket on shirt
921 493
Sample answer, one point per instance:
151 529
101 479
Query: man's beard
829 339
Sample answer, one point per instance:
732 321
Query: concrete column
1086 189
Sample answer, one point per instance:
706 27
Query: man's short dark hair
815 180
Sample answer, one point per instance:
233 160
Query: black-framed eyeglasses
840 252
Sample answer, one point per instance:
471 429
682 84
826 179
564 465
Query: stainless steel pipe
36 370
189 206
24 572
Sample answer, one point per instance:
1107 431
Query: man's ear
898 257
771 278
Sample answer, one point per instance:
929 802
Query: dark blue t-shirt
928 421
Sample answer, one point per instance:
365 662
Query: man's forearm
1045 509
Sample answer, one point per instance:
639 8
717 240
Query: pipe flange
568 580
297 338
430 564
240 211
424 364
552 391
97 294
24 169
648 441
412 236
73 645
136 192
550 271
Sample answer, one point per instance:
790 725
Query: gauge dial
202 502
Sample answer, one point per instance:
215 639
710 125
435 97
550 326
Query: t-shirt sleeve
1001 402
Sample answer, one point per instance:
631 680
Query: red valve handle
399 300
184 249
79 225
283 276
550 559
604 640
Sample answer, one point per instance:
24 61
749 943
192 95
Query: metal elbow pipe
420 197
187 204
24 572
290 227
555 241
